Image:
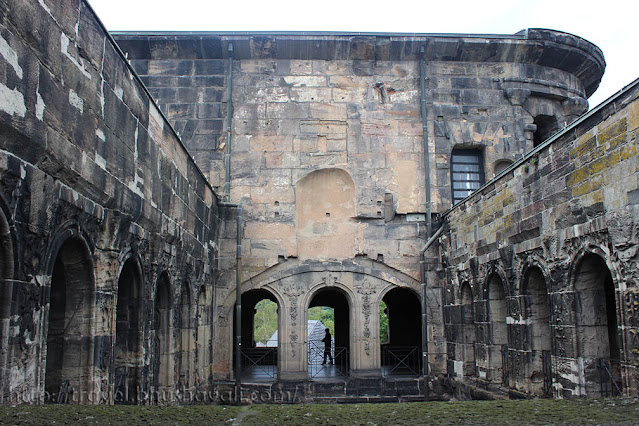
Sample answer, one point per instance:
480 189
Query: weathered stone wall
327 142
549 252
100 202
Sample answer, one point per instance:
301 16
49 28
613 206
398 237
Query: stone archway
260 345
162 363
128 333
69 354
402 349
293 285
598 343
339 346
497 314
539 347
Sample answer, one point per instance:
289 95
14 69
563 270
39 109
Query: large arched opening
539 347
162 365
497 313
260 335
128 336
336 347
69 343
598 342
400 333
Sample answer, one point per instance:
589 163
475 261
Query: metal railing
316 366
401 361
120 388
610 377
63 395
259 362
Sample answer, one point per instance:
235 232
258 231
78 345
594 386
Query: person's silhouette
327 346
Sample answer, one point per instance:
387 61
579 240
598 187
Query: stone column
365 355
292 334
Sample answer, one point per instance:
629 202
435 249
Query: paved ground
581 411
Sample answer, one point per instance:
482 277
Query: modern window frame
469 162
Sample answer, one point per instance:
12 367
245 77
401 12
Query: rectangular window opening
466 172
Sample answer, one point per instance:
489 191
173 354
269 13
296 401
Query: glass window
467 173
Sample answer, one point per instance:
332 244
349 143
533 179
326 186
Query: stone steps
352 390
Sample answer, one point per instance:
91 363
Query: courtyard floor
578 411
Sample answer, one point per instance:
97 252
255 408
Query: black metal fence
320 366
610 377
401 361
259 363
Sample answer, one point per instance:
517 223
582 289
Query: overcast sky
612 25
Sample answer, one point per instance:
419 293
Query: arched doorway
260 331
128 354
339 346
497 313
162 365
537 312
597 328
401 341
69 346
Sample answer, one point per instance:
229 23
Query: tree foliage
324 314
265 320
383 323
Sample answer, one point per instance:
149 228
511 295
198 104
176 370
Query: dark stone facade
99 201
540 264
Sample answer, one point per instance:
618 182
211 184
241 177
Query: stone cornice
542 47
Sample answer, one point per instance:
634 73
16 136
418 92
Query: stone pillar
292 354
365 349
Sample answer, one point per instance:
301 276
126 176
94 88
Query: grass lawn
577 411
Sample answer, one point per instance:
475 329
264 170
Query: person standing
328 339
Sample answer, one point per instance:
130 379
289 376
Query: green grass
577 411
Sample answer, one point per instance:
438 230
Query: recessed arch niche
325 205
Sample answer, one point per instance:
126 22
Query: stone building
149 179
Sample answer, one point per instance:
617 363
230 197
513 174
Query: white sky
612 25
